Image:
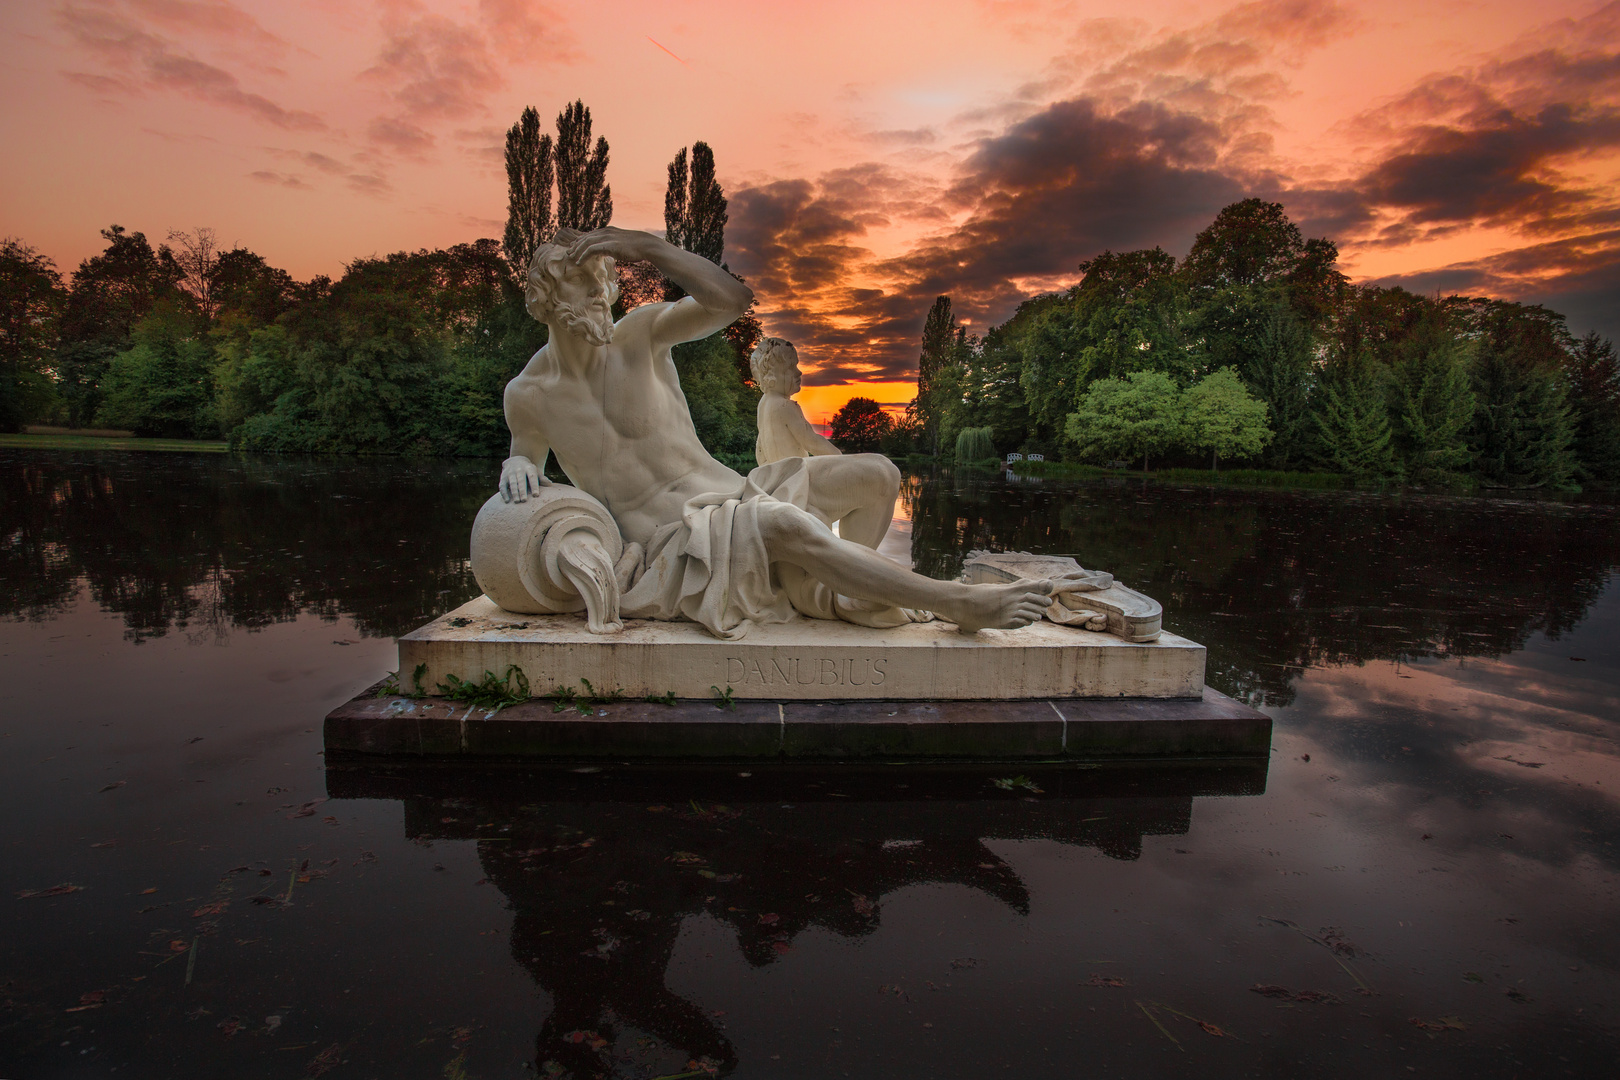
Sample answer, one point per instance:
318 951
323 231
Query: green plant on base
489 692
566 697
666 699
391 686
1017 783
723 698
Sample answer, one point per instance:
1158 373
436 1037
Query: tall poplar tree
584 198
939 355
529 172
694 209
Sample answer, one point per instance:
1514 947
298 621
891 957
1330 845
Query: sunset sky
875 154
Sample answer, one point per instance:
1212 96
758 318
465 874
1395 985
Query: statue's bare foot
1001 607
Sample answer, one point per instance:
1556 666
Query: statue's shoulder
641 319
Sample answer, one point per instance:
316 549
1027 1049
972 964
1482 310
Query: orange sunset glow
874 155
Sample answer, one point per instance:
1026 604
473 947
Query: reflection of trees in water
1275 582
602 874
1272 582
217 542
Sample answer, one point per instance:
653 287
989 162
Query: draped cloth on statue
712 567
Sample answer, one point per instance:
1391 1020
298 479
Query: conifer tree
1431 404
1594 377
1279 371
529 172
1352 422
584 198
1522 433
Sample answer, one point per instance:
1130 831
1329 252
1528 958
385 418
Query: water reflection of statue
700 541
783 430
602 875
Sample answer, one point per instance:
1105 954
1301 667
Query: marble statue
653 526
783 430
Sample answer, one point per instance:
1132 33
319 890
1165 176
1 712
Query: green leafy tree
109 294
31 303
1431 402
1253 243
1594 382
974 445
163 385
1351 416
584 197
901 438
1221 416
1139 415
858 427
1125 315
244 285
530 170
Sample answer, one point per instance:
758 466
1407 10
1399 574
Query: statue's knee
785 523
879 469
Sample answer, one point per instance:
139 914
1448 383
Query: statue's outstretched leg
795 537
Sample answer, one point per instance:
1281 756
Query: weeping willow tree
973 444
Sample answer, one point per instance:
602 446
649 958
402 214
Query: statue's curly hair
770 359
546 268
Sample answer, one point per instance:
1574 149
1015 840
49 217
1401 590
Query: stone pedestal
803 660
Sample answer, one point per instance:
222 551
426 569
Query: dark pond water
1422 878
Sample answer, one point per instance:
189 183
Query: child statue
783 430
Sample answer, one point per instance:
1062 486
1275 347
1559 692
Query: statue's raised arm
714 298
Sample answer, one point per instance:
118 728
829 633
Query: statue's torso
776 438
621 430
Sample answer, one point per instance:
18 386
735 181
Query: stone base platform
1049 729
803 660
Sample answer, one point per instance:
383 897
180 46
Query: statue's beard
592 322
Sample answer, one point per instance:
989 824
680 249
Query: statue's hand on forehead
623 245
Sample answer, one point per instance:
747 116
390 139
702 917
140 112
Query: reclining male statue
703 542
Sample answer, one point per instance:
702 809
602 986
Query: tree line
1256 348
405 353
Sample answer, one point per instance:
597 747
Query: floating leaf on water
1444 1023
55 890
1018 783
325 1061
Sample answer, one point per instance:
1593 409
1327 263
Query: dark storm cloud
1052 190
1578 276
799 243
1510 144
1497 169
1156 136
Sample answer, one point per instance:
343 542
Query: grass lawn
79 441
